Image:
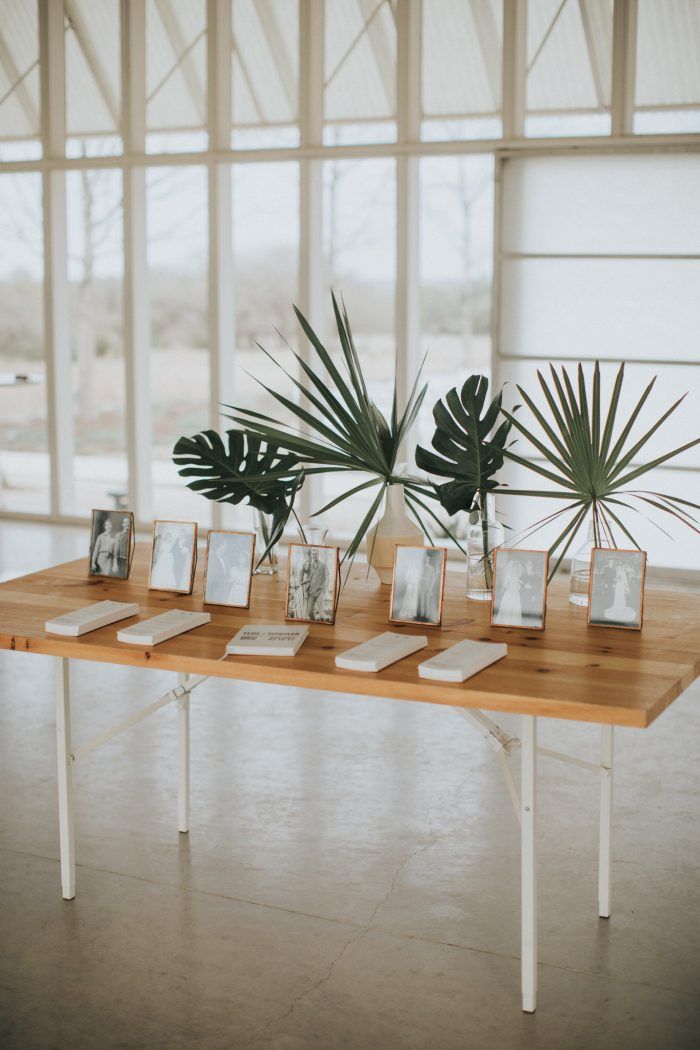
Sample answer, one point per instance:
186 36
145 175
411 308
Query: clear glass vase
269 566
581 566
483 536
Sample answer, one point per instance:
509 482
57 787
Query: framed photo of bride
173 556
519 592
228 569
616 588
418 585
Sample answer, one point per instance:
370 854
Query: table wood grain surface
569 670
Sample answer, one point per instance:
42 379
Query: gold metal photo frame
592 617
516 602
411 592
114 517
166 572
208 574
301 599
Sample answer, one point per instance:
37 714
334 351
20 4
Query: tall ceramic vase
393 528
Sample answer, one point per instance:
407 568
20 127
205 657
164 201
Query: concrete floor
350 880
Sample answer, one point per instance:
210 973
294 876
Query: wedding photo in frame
112 543
418 585
228 568
312 583
519 591
173 556
616 588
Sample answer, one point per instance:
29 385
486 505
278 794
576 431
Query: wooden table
589 674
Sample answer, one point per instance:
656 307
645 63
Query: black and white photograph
228 569
173 556
417 585
111 543
312 583
616 590
519 593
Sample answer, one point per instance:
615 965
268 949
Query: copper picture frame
411 597
619 589
300 598
110 515
515 591
164 574
207 575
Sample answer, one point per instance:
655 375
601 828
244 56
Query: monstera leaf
470 446
241 468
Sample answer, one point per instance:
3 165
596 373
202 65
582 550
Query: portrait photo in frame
616 588
519 591
173 556
418 584
112 543
312 583
228 568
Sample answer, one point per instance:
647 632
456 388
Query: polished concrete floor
350 880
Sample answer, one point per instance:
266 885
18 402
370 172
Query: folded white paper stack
90 618
462 660
268 640
380 651
160 628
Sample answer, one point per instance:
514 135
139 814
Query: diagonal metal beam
86 45
489 45
18 85
264 9
381 49
593 57
184 59
248 77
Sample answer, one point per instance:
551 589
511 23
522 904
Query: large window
470 175
614 278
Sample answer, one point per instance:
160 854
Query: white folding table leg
65 777
528 846
605 837
183 758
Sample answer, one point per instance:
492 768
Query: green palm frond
590 467
335 426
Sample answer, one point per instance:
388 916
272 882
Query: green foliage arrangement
242 468
469 443
339 428
591 468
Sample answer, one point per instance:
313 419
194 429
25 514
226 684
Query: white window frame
220 161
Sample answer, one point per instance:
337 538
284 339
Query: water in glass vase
482 537
581 568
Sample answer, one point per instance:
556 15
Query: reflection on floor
350 879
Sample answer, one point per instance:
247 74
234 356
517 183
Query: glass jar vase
269 565
581 566
484 534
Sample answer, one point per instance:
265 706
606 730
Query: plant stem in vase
269 564
485 533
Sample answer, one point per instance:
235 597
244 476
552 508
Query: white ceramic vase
393 529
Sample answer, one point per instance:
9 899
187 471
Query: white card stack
268 640
380 651
90 618
462 660
160 628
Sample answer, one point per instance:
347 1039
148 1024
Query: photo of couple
110 543
519 588
173 556
229 568
617 588
312 583
419 578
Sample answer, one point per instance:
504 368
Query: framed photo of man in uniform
312 583
112 544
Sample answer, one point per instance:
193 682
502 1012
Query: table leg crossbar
505 745
67 756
